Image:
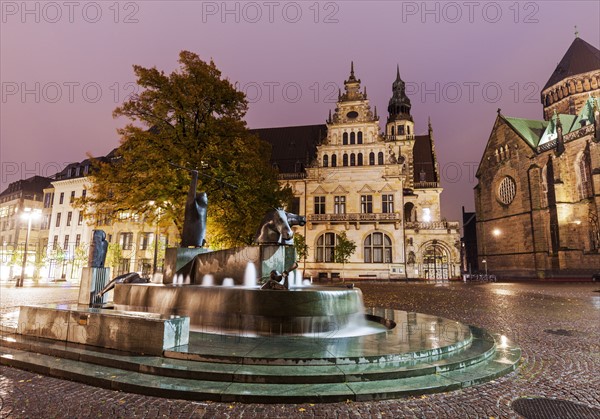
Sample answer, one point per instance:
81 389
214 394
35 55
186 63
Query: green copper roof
530 129
586 114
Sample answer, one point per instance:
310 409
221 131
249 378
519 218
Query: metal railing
433 225
379 217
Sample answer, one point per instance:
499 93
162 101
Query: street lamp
29 215
485 264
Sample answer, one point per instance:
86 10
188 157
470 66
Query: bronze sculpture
275 227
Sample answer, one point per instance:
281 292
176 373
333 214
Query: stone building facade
21 196
538 194
381 189
132 239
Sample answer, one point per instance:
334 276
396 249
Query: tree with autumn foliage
193 118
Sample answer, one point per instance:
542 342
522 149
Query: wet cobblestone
562 366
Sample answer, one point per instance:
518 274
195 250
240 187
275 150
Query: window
378 248
294 207
325 160
62 198
372 159
80 219
77 240
359 160
66 242
326 247
333 160
84 192
408 130
146 241
359 138
124 266
507 190
345 138
392 131
55 243
126 241
57 220
319 205
69 218
366 204
339 205
387 203
544 187
46 222
345 160
380 158
48 200
72 197
352 159
352 138
584 176
409 212
400 129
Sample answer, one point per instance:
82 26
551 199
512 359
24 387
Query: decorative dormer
400 125
352 106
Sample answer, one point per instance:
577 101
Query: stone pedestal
144 333
93 280
176 259
276 258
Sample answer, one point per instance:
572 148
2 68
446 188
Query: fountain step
503 361
481 348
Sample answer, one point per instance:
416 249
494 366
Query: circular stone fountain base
251 311
422 354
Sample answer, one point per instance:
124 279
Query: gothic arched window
380 158
352 159
345 138
377 248
359 138
333 160
325 160
372 159
360 160
584 176
352 138
345 160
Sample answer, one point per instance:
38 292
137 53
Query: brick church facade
538 194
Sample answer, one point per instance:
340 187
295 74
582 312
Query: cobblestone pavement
557 326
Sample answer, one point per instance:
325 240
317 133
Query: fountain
212 331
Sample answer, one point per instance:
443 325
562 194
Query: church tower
400 125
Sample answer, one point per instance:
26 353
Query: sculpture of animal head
275 227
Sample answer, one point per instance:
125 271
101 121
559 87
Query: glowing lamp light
496 232
426 215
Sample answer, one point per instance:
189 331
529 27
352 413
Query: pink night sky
66 65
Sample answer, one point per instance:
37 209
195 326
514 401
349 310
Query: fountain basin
251 311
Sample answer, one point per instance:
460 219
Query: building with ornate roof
381 189
538 194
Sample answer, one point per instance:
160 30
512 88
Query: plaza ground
557 326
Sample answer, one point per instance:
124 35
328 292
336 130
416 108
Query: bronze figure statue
274 282
194 222
98 249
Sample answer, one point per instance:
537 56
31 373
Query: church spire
399 104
